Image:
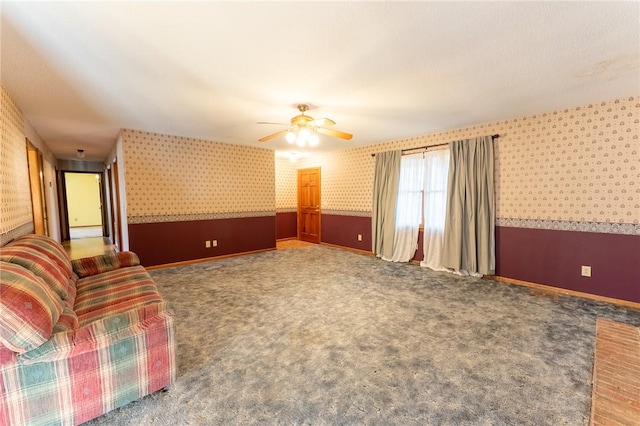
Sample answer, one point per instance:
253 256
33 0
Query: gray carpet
319 335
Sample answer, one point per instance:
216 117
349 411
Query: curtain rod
432 146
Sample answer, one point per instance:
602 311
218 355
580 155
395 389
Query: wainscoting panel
286 225
419 256
555 257
167 242
342 230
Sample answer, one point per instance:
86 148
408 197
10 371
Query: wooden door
309 205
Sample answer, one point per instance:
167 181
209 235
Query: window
408 205
422 190
435 189
422 200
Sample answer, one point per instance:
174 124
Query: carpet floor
320 335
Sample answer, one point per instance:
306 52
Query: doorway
114 203
84 204
309 205
36 184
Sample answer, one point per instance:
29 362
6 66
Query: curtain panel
408 209
385 196
435 207
469 235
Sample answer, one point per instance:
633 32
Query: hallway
85 247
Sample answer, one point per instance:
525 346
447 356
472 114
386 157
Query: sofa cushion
107 262
39 264
28 308
50 247
68 319
98 334
113 292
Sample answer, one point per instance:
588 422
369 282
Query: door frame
64 204
115 205
35 165
319 207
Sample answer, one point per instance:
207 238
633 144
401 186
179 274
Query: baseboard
565 292
348 248
286 239
205 259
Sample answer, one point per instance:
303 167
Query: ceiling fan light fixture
304 133
304 129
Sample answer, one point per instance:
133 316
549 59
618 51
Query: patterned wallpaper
15 200
347 180
286 184
173 178
574 169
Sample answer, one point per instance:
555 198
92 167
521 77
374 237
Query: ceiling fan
304 130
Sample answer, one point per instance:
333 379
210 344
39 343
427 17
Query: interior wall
16 216
83 199
50 181
182 192
286 198
567 195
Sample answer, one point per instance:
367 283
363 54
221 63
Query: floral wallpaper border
197 216
554 225
563 225
346 212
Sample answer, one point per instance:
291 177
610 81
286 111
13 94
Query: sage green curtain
385 195
469 234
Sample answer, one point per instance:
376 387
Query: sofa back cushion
38 263
95 265
49 247
29 308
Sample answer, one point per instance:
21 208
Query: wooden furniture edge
565 292
205 259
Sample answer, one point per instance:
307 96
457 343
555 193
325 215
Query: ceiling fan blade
269 122
273 136
323 122
334 133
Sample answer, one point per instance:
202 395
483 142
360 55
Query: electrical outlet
585 271
359 237
207 244
215 243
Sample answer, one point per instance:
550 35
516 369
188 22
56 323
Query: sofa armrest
99 334
88 266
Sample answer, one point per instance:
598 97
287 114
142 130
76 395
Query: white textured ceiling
380 70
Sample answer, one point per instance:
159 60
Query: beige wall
16 217
173 178
83 199
286 184
575 166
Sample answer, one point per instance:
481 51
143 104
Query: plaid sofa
78 339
